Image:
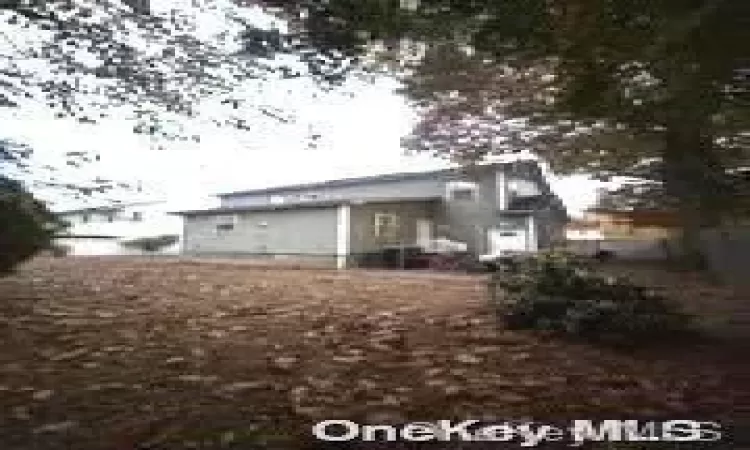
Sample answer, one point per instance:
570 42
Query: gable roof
114 207
342 182
400 176
300 205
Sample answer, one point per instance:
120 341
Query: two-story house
108 230
491 208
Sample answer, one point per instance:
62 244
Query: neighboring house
633 224
108 230
583 230
626 234
492 208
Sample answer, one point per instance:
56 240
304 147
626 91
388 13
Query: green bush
561 294
26 225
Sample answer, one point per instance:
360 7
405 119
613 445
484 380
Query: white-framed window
462 191
226 223
386 226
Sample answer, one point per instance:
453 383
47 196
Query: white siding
90 246
310 231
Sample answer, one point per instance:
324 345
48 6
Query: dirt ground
135 353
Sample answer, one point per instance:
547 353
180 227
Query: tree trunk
691 175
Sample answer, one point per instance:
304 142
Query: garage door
503 240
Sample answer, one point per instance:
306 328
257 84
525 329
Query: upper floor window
137 216
523 188
462 190
110 217
85 218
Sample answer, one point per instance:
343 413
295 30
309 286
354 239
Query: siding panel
385 190
290 232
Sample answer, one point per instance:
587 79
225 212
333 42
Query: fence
630 249
727 251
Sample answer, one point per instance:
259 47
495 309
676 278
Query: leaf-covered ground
115 353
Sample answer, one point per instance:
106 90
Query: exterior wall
469 220
428 187
293 232
306 261
362 224
550 228
123 224
90 246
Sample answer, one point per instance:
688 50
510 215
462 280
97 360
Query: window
462 194
225 223
85 218
137 216
462 191
110 218
386 226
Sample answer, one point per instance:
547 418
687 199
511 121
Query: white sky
360 136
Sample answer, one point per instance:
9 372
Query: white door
503 240
424 232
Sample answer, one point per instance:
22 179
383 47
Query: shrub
26 225
561 294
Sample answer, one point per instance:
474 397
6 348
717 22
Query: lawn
111 353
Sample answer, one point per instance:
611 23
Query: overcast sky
360 135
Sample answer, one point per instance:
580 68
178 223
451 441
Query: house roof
301 205
90 209
359 180
106 208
